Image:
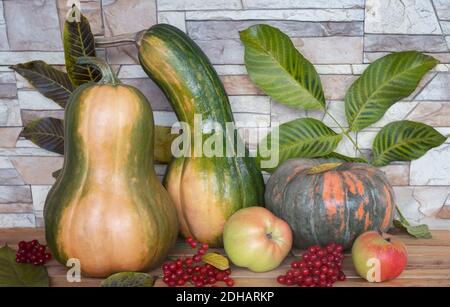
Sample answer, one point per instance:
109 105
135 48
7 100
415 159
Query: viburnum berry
281 279
318 267
197 258
191 270
32 252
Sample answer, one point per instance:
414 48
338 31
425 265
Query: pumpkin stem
388 239
108 75
324 167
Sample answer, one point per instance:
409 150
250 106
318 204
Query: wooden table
428 263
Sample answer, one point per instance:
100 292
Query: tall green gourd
205 190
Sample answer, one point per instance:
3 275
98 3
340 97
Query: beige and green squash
108 208
205 190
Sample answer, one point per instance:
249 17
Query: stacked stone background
339 36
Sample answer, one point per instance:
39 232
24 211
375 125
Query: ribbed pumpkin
107 207
327 201
205 190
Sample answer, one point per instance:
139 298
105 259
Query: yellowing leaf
216 260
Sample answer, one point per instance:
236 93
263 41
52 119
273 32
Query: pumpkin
206 190
107 207
327 201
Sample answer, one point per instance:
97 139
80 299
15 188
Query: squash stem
120 40
108 75
345 132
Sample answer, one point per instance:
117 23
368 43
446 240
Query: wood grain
428 264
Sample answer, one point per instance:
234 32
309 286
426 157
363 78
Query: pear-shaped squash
206 189
107 207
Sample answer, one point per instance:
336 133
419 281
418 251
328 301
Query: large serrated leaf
300 138
279 69
129 279
384 82
50 82
404 141
47 133
13 274
79 42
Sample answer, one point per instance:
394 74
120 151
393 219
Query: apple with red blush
378 257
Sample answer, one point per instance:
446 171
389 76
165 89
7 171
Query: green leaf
47 133
216 260
300 138
336 155
404 141
418 231
13 274
129 279
279 69
79 42
50 82
383 83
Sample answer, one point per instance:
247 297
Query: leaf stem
344 132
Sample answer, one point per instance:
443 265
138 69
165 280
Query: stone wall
339 36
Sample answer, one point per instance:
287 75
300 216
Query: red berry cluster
319 267
32 252
190 270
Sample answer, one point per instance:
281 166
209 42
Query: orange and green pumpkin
327 201
205 189
107 207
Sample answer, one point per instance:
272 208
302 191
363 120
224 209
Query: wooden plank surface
428 263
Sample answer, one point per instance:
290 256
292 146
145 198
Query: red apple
377 257
256 239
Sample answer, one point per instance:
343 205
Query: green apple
256 239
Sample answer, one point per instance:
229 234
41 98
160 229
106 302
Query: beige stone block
39 193
175 19
286 14
335 86
123 17
339 49
16 208
33 25
9 176
239 85
15 194
434 113
37 170
17 220
397 174
10 113
9 136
